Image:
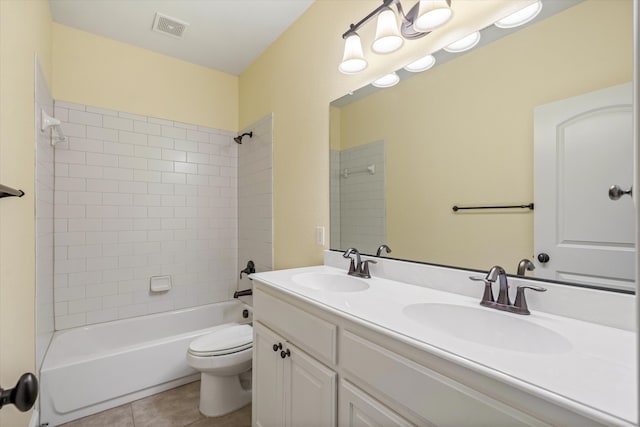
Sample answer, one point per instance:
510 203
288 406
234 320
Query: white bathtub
93 368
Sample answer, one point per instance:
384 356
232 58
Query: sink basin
330 282
488 327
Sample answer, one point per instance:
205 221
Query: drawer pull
284 354
277 347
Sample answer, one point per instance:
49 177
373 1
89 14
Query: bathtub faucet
244 293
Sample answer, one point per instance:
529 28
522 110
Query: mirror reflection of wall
461 133
358 196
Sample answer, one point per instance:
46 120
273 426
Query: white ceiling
226 35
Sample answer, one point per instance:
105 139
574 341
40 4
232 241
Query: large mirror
462 134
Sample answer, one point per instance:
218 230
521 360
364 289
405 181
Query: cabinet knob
277 347
284 354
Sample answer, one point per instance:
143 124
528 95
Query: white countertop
595 375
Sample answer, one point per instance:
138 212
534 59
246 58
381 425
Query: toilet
224 359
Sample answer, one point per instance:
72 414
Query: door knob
277 347
543 258
23 395
615 192
284 354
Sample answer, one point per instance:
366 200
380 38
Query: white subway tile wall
363 220
44 199
255 195
137 197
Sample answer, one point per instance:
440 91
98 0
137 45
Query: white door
267 381
310 400
582 146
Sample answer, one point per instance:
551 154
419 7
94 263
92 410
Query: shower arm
238 139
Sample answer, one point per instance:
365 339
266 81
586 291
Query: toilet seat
232 339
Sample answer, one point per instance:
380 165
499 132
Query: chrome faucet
503 303
381 248
525 265
359 268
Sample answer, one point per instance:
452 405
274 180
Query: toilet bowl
223 357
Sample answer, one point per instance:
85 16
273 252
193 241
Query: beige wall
93 70
462 133
296 79
25 30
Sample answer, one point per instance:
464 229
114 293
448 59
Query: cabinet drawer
312 334
434 397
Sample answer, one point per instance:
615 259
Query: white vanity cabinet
347 371
358 409
290 387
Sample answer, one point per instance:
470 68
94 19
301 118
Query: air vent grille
169 26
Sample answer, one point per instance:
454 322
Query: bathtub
94 368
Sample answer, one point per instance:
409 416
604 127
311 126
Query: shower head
238 139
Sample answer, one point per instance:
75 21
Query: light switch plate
320 235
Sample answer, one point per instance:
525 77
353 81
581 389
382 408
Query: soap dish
160 283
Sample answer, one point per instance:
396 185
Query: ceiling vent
170 26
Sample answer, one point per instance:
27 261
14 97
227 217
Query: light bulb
387 80
520 17
421 64
464 43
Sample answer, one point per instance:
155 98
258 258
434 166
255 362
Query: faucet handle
521 302
364 268
487 297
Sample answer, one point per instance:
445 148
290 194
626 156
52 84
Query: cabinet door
310 395
267 378
358 409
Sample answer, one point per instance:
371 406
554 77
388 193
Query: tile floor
177 407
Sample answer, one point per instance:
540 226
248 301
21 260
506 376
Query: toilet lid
227 340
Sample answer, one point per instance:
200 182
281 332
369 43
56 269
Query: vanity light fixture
424 17
353 60
465 43
432 14
387 80
388 37
520 17
421 64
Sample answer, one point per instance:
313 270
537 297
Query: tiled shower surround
359 198
137 197
44 220
255 195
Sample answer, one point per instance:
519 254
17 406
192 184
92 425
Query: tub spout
244 293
